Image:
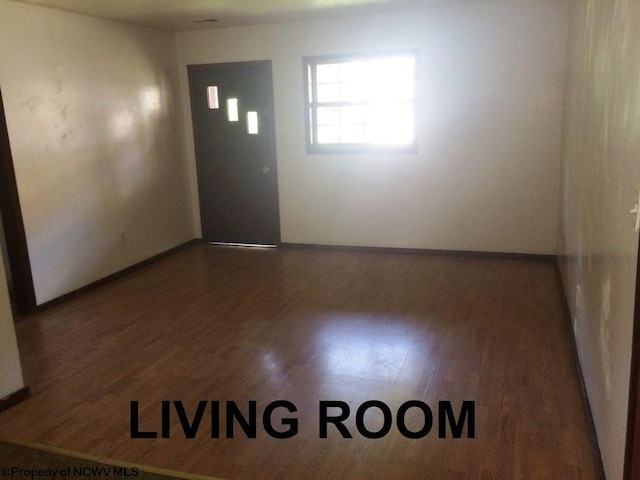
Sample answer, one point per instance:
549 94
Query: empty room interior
359 239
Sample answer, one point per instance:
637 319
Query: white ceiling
181 15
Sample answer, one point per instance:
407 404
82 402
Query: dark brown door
632 454
234 134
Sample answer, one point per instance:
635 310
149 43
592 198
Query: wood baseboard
588 415
423 251
14 398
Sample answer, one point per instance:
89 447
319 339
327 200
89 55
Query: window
232 109
212 97
361 104
252 123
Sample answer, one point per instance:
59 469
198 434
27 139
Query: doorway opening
7 267
13 238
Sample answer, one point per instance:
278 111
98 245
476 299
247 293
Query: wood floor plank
216 323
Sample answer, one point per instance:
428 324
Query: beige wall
601 176
96 136
486 176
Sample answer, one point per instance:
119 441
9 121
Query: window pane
353 92
352 115
328 73
252 123
212 97
329 92
328 135
391 124
405 79
391 79
328 116
353 72
351 134
359 102
232 109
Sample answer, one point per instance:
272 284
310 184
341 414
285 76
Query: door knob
266 170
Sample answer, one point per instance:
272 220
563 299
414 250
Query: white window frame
312 104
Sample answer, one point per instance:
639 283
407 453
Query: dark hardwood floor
216 323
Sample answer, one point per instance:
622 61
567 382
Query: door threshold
248 245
